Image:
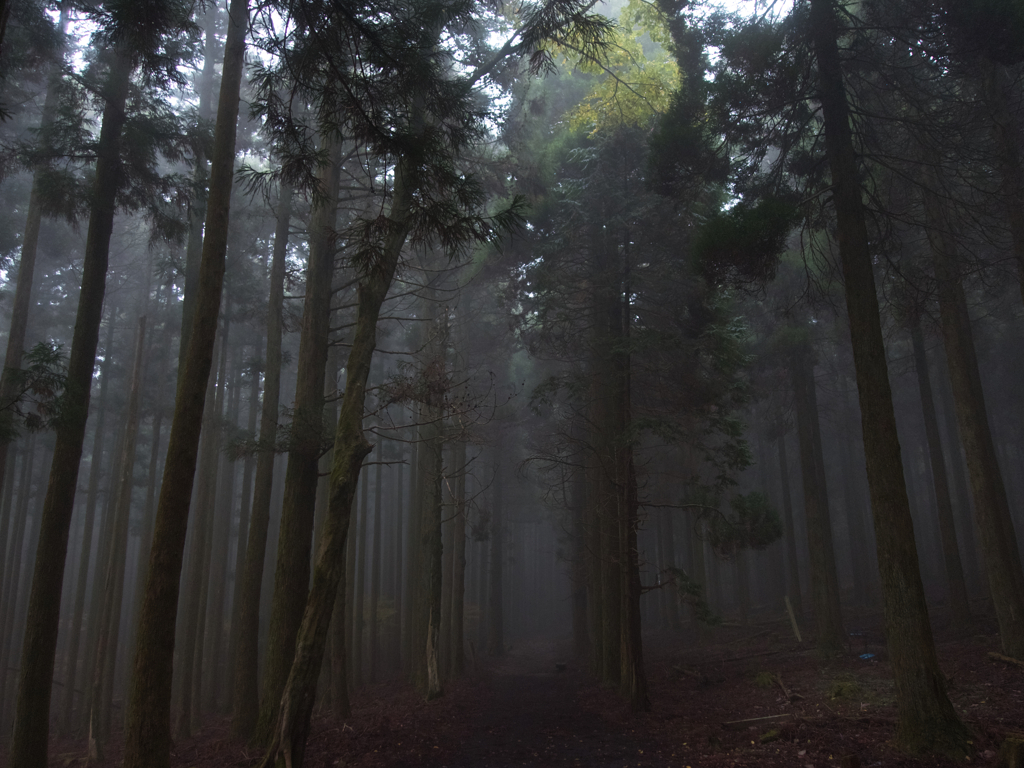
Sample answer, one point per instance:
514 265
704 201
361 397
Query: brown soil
522 711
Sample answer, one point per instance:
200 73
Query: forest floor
521 711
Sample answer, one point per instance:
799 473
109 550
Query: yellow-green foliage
764 679
770 736
844 689
631 86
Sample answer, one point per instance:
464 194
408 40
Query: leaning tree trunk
291 578
148 727
32 721
927 720
830 636
246 710
991 506
958 602
350 448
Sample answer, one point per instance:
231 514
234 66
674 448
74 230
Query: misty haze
472 383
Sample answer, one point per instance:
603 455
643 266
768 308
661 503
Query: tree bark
828 617
291 577
113 578
927 721
246 711
495 599
31 725
350 448
375 554
959 604
95 465
199 554
29 245
244 515
991 506
792 563
147 731
458 651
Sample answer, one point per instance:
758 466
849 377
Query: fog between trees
353 342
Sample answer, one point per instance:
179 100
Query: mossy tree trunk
350 449
291 577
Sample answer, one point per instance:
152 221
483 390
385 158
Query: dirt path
526 713
519 711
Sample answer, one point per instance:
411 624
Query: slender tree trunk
431 555
359 580
792 563
374 639
220 572
95 464
828 617
350 448
199 554
113 578
291 578
447 572
244 515
27 263
927 720
197 209
246 697
991 506
458 651
147 732
1006 129
495 600
12 578
32 721
959 604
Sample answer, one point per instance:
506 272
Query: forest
511 382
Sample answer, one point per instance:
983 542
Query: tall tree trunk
927 720
458 652
12 585
358 620
197 209
147 731
199 553
350 448
244 515
113 578
220 573
32 721
960 607
1006 131
246 711
375 554
291 577
991 506
495 598
828 617
792 562
29 245
95 465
